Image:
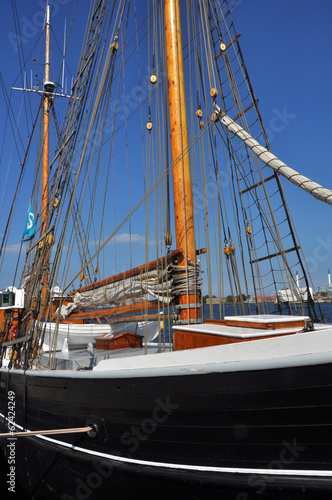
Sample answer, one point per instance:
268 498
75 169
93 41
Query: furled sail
156 283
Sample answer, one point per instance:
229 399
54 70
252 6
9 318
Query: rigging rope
311 187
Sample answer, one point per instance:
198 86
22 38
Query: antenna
47 85
63 56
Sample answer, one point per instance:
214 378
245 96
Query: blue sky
286 45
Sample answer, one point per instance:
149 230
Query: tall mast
47 102
183 198
46 107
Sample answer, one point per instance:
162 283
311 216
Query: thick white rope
311 187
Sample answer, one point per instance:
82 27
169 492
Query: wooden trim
143 317
266 326
259 326
215 321
132 272
116 311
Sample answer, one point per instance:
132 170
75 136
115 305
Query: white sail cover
157 283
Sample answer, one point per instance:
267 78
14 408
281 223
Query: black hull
62 475
254 434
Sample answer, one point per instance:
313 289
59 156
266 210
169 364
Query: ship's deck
83 359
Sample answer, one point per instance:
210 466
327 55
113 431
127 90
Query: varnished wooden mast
47 101
183 199
46 105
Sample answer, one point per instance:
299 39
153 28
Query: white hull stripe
202 468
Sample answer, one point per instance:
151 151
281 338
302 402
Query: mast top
47 14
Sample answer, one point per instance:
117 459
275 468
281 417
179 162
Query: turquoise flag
30 226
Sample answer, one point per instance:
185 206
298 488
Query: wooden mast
183 199
46 107
47 102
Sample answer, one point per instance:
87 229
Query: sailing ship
220 405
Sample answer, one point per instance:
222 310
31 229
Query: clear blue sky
286 45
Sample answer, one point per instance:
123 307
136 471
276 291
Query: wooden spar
183 198
116 311
143 317
46 107
47 99
132 272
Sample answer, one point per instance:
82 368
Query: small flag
30 226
